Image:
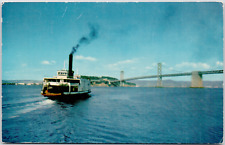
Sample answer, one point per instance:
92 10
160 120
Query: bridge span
195 82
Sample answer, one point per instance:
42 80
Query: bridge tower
159 75
121 78
196 81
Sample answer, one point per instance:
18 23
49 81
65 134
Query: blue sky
133 37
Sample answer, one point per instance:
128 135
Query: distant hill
104 81
21 81
99 78
171 83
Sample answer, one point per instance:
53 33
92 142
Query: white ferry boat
65 84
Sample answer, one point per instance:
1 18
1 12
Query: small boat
65 84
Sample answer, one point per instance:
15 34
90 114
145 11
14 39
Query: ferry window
74 81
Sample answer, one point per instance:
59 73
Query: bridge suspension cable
172 69
196 75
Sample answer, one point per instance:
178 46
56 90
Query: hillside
105 81
102 81
171 83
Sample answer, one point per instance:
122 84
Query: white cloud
129 61
24 65
46 62
80 57
122 64
148 67
53 62
219 63
193 65
154 64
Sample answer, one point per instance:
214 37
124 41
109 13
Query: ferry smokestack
70 73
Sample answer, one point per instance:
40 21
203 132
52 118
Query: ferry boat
65 84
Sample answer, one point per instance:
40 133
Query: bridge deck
172 75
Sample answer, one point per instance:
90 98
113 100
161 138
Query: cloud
129 61
148 67
53 62
122 64
219 63
193 65
80 57
24 65
155 65
46 62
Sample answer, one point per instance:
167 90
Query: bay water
114 115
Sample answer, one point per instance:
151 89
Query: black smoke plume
86 39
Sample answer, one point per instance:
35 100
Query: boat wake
34 106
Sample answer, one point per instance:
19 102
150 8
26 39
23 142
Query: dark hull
64 94
69 98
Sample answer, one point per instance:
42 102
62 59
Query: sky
131 37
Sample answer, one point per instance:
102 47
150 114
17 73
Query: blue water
114 115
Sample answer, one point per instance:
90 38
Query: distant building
21 84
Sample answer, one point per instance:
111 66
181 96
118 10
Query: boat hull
68 98
65 94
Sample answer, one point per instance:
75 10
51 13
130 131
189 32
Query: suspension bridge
196 77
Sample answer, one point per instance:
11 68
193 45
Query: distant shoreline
36 84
